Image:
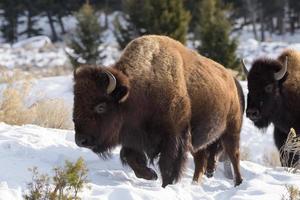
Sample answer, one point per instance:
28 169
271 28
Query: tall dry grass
14 90
290 150
53 114
292 193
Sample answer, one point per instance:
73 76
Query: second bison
159 100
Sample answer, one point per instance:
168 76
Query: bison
274 95
159 100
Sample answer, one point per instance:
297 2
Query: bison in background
274 95
159 100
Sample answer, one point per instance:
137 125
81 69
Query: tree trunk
61 23
29 23
252 12
51 23
106 14
262 26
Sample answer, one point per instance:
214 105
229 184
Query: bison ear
120 94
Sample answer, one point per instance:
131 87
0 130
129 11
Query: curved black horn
244 67
112 82
279 75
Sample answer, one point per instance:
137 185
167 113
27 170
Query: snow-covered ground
22 147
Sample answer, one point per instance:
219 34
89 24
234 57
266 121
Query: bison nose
83 141
253 114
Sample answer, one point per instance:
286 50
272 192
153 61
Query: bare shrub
64 185
290 150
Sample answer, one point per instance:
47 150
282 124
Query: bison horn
279 75
244 67
112 82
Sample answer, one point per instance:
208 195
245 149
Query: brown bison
274 95
159 99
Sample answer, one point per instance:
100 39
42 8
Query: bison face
99 95
264 83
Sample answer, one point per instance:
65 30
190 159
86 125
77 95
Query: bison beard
159 100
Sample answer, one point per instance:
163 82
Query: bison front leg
200 160
138 162
172 159
214 151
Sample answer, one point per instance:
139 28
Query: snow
251 49
22 147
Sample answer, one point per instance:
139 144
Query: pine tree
135 24
11 14
31 11
167 17
213 31
87 38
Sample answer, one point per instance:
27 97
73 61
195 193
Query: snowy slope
22 147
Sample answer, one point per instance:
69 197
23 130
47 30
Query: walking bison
274 95
159 100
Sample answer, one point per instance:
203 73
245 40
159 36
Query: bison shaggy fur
167 100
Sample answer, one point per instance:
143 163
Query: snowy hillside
22 147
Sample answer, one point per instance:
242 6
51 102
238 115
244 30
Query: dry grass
13 75
13 110
53 114
292 193
289 150
272 159
12 107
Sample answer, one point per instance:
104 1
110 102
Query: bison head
97 114
264 84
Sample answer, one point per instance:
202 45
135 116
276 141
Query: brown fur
280 105
171 92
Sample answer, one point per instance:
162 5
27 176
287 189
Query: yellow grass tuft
289 150
292 193
53 114
47 113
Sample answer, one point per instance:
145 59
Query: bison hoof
165 183
147 173
238 182
209 174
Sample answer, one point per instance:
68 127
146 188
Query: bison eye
100 108
269 88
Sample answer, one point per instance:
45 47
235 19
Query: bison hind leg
230 141
138 162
